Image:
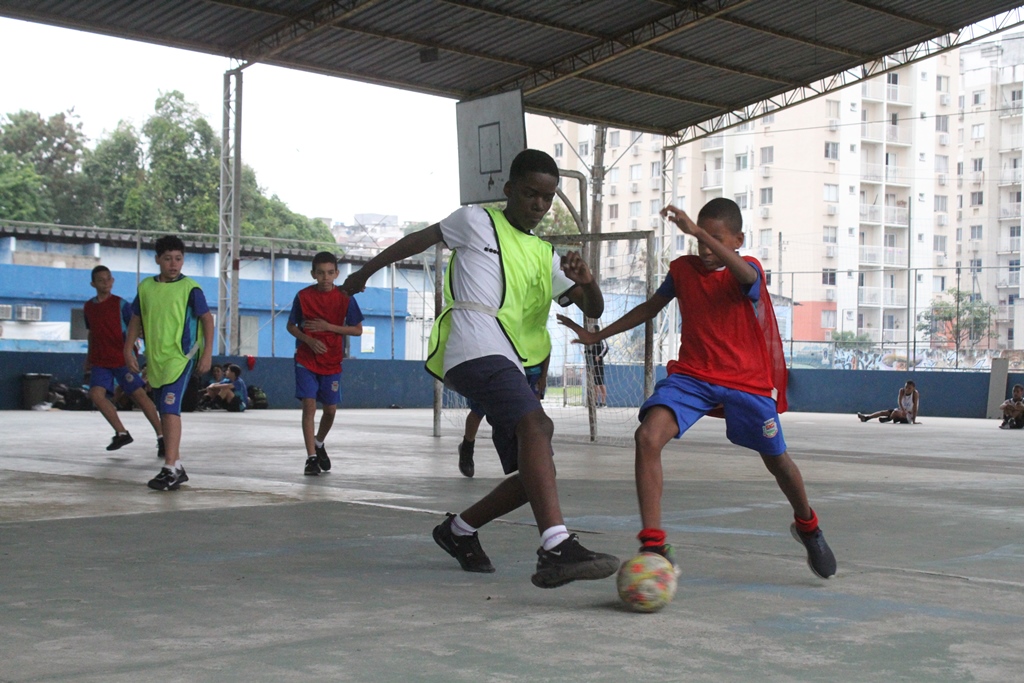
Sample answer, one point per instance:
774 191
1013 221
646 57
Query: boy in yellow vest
498 290
171 309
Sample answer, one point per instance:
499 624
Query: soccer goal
626 265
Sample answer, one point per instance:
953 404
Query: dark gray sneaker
569 561
819 556
321 458
312 468
168 479
120 440
465 549
466 458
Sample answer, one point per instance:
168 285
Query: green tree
23 194
558 221
55 148
852 341
962 320
184 166
115 168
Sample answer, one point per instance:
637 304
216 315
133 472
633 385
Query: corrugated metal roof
651 65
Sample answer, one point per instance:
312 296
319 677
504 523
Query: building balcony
894 297
870 213
871 173
1009 142
1009 277
897 215
1009 211
1004 313
897 175
879 90
1010 176
712 179
871 333
712 142
1011 109
1009 245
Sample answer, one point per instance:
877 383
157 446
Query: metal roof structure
661 66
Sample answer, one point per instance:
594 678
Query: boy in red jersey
106 317
730 364
321 315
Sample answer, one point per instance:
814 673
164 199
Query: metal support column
230 214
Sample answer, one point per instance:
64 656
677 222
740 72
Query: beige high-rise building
860 204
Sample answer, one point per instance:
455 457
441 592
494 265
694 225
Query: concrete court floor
253 572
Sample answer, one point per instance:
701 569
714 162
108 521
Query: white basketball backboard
491 132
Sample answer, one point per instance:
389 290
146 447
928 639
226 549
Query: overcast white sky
326 146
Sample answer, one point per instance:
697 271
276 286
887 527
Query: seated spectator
209 397
1013 409
905 412
232 394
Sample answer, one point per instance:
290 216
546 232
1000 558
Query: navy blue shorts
502 391
532 376
324 388
751 421
105 377
168 397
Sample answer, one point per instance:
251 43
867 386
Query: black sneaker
885 419
465 549
569 561
312 466
863 417
466 458
168 479
161 451
120 440
819 556
321 459
666 551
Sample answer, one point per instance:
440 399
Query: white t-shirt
477 278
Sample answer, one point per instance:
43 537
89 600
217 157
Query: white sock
319 443
460 528
552 536
176 466
311 455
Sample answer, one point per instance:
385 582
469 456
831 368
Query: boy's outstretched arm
639 314
742 270
410 245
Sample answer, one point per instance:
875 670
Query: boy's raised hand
679 217
576 269
582 335
354 283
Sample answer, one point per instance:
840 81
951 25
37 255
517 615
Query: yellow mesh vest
525 300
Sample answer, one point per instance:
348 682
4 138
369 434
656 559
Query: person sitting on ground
1013 409
233 394
905 412
209 396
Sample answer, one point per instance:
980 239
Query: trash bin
34 388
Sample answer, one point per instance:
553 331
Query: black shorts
502 391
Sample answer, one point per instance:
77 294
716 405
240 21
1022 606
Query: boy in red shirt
730 364
106 317
321 315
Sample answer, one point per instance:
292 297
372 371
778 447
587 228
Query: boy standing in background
107 317
321 316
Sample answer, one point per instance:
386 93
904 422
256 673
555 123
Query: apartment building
862 204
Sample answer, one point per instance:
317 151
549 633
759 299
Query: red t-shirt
107 321
729 337
333 306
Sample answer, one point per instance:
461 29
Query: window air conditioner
943 139
830 295
765 212
833 125
764 252
944 99
636 150
943 219
832 210
612 190
943 179
830 251
766 171
29 313
6 311
634 187
940 260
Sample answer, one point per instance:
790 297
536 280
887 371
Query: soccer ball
647 582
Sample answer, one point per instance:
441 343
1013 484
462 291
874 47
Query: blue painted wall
385 383
59 290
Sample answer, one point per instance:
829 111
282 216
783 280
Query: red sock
807 525
651 538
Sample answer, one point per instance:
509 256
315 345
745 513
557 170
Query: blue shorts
324 388
495 384
168 397
105 377
532 378
751 421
